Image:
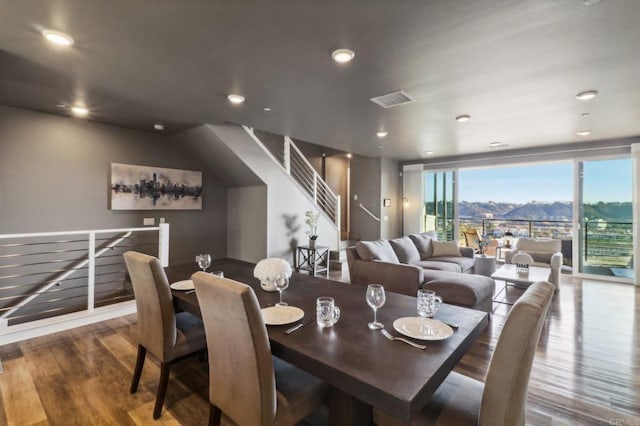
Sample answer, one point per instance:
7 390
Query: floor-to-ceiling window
605 237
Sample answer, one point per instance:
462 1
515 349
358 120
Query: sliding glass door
605 236
439 204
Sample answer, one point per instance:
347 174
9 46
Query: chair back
472 238
241 378
505 390
548 245
156 316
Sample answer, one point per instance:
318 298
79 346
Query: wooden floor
586 369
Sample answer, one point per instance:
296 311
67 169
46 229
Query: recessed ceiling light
235 99
158 126
62 105
429 152
79 111
382 134
58 38
463 118
583 132
586 95
495 144
349 155
342 55
267 109
586 114
380 146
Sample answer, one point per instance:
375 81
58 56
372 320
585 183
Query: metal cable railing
43 276
292 160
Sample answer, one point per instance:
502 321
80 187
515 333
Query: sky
608 180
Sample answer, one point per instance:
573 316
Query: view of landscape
499 200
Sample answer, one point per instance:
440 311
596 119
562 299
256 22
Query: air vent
392 99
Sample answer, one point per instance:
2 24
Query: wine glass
281 283
375 299
204 261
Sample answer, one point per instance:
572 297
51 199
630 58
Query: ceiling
513 66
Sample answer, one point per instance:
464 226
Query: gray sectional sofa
404 265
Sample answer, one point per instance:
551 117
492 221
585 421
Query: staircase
296 165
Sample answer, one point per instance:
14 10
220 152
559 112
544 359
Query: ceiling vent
392 99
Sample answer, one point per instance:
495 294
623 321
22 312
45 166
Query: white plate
279 315
183 285
422 328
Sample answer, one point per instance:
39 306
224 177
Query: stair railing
296 165
53 281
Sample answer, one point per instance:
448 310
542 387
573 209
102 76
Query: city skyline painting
136 187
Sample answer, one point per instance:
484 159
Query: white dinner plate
422 328
183 285
279 315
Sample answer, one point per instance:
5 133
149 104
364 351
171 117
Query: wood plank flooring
586 370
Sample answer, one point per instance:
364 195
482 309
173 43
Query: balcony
605 248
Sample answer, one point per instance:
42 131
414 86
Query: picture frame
135 187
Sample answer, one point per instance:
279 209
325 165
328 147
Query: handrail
369 212
294 163
308 164
64 275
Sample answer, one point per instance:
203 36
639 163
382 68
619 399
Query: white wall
286 203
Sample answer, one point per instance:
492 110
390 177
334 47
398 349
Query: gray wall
247 232
391 187
54 176
366 186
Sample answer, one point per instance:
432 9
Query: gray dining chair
501 399
166 335
246 383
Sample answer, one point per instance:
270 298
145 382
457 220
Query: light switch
355 197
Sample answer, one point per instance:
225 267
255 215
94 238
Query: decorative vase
267 285
312 243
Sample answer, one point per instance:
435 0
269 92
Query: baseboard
19 332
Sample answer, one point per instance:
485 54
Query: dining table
362 368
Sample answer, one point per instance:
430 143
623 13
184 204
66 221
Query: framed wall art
154 188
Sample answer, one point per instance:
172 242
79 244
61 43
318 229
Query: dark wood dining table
362 367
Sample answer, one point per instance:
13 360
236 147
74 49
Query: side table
313 259
484 265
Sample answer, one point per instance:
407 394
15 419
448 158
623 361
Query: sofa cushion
465 263
405 250
423 244
460 289
376 250
439 266
539 256
445 248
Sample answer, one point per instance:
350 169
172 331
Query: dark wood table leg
344 409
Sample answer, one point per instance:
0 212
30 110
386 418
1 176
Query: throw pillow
445 248
376 250
423 244
405 250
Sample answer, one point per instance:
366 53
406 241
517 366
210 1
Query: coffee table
509 275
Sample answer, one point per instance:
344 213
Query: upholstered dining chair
167 335
501 399
245 382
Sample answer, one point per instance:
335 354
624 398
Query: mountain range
558 210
